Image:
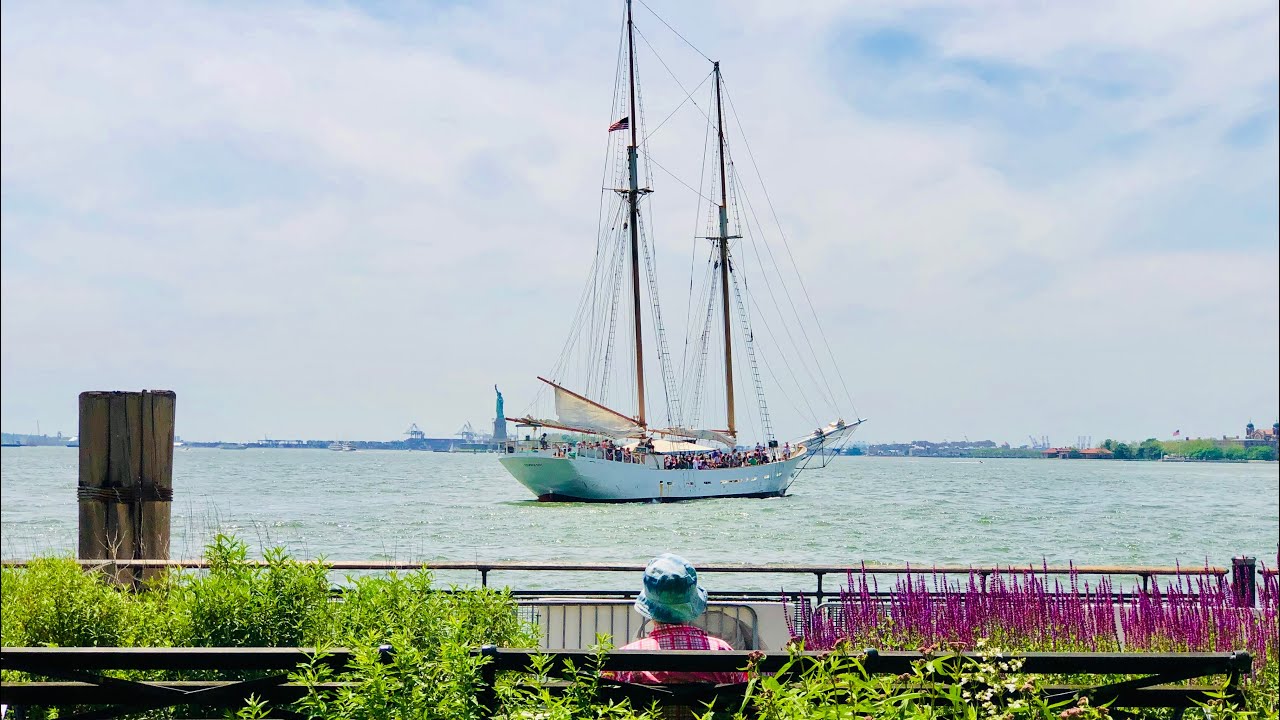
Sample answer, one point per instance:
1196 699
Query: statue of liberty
500 420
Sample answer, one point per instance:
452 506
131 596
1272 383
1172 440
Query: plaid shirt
677 637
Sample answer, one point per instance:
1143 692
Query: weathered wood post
126 478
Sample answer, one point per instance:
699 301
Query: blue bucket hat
671 593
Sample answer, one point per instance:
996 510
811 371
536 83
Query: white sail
713 435
667 447
576 411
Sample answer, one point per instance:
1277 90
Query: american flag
622 124
1176 433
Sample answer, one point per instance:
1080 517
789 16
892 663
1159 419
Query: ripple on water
453 506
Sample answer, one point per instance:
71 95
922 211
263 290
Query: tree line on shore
1200 449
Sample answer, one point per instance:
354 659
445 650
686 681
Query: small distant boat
342 447
233 446
11 444
73 442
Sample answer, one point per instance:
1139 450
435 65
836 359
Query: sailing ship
615 456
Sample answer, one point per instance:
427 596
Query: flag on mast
1176 433
623 124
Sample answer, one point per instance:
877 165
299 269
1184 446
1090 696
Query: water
375 505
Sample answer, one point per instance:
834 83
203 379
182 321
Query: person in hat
672 598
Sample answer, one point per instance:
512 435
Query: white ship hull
558 478
584 479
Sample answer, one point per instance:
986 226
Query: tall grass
1025 610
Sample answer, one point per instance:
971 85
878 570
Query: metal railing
1141 575
576 624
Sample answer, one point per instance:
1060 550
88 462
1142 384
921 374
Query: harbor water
388 505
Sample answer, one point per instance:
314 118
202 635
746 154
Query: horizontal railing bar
696 694
262 658
516 566
775 595
31 659
81 693
53 694
884 661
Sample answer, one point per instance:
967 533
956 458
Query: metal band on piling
146 493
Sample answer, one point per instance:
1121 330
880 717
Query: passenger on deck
672 598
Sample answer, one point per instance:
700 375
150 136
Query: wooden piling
158 410
126 478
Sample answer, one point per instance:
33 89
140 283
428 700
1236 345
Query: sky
331 220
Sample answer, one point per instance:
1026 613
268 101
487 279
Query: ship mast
724 262
633 197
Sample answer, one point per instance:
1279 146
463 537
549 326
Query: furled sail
577 411
714 435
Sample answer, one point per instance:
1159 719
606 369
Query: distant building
1070 453
1254 437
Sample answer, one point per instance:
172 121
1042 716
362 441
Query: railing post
1241 664
1244 576
818 598
487 695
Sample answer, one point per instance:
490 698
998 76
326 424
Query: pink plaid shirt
677 637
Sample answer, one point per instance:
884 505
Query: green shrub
238 603
53 602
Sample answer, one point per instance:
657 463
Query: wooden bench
1152 688
78 679
76 675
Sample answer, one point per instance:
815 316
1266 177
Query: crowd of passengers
607 450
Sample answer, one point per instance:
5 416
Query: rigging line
594 359
693 246
696 369
673 76
584 319
649 159
677 33
650 252
800 357
575 327
786 326
787 292
787 245
813 415
589 291
695 334
654 131
615 301
752 301
749 342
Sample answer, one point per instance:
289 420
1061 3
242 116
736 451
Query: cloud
333 219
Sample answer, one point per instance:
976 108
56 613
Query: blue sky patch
892 46
1253 130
